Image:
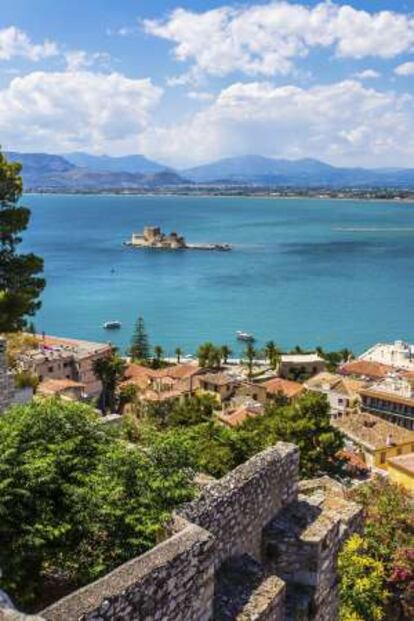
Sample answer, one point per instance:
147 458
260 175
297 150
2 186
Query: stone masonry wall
249 548
6 384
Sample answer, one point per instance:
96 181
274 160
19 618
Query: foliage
140 348
109 371
250 354
388 541
334 359
273 354
19 343
225 353
26 379
209 355
362 588
178 353
158 354
76 501
20 283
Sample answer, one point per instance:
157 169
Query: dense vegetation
377 570
217 449
20 283
76 501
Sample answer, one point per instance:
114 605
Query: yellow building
377 439
401 470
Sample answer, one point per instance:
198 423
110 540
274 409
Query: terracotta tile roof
373 432
333 382
233 418
404 462
138 374
219 379
55 386
286 387
355 461
179 371
367 368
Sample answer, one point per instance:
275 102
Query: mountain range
83 171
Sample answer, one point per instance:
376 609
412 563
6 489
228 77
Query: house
401 470
393 399
366 369
399 355
221 384
61 358
377 439
235 416
341 392
251 390
279 386
61 388
294 365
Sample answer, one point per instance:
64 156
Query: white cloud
75 110
267 39
405 69
367 74
79 59
200 96
344 122
16 43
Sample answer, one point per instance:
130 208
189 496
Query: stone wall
6 383
255 545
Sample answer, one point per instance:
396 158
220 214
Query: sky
188 81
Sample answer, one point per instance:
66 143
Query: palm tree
225 353
158 351
273 354
250 354
178 353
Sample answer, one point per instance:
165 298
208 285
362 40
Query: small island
153 237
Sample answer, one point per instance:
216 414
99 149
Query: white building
399 355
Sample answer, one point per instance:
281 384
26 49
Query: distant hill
258 170
105 163
43 171
81 171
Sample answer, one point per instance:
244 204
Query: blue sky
189 81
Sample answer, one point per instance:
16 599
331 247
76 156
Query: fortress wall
6 385
236 508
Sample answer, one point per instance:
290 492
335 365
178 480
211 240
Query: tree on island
20 283
110 372
140 347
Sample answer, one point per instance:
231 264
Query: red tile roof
54 386
288 388
367 368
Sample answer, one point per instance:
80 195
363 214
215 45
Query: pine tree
140 348
20 284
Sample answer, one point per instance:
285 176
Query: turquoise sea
308 272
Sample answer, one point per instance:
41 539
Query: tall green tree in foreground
250 354
109 371
140 347
20 283
76 501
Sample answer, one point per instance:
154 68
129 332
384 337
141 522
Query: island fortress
256 545
153 237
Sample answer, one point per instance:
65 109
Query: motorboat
244 336
112 325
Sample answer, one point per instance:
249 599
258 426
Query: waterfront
308 272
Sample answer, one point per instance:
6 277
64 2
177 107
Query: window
383 457
50 369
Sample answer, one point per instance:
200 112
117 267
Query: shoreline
406 201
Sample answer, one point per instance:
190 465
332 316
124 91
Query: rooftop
372 432
286 387
327 382
398 354
218 379
55 386
302 358
366 368
404 462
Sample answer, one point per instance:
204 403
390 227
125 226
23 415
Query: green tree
273 354
250 354
362 590
225 353
109 371
178 353
140 348
209 355
158 353
76 501
20 283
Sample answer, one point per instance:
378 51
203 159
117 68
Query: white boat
244 336
112 325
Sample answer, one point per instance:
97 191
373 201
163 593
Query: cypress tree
20 284
140 348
